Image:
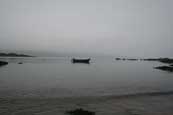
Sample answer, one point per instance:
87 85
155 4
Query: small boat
87 61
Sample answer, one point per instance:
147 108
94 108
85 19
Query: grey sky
118 27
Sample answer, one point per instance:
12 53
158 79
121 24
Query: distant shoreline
163 60
14 55
99 105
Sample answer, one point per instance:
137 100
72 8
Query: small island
14 55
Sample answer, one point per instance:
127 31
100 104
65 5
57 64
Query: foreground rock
152 104
165 68
80 112
2 63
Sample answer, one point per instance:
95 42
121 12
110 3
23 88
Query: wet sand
135 104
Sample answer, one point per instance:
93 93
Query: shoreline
154 103
126 95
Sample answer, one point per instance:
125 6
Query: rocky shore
169 61
2 63
165 68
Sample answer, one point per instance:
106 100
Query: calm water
56 77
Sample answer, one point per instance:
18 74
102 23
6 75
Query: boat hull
81 60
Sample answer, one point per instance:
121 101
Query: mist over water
113 27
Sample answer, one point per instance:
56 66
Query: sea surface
58 77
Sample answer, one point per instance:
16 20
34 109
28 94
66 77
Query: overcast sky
117 27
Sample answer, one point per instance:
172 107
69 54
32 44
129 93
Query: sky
114 27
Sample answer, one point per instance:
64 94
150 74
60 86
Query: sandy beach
138 104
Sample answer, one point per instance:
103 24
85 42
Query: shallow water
58 77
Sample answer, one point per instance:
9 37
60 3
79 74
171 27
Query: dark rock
130 59
165 68
120 59
171 65
20 63
150 59
163 60
117 58
2 63
80 112
166 60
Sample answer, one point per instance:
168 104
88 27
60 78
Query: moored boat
75 60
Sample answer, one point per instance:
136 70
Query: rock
163 60
117 58
124 59
132 59
2 63
166 60
165 68
80 111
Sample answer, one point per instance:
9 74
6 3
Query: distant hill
14 55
